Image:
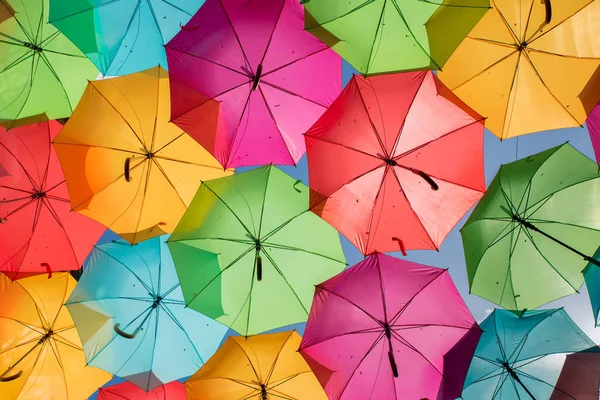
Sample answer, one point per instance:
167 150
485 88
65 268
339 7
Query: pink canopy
273 80
593 124
390 329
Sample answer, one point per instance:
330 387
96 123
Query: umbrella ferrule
38 195
156 302
387 330
32 46
263 392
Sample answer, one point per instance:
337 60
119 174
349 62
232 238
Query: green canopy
533 232
42 74
384 36
272 251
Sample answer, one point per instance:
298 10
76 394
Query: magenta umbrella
390 329
273 80
593 124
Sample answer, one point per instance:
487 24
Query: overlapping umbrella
122 37
130 315
390 329
40 353
126 165
128 391
272 251
42 74
593 125
579 377
395 162
261 367
534 231
272 78
38 233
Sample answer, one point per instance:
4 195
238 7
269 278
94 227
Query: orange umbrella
41 356
261 367
126 165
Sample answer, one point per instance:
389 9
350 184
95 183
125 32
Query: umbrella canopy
390 329
530 66
593 125
527 241
259 367
130 315
126 165
580 376
521 356
122 37
380 36
272 78
128 391
272 251
6 11
591 275
38 233
395 162
42 74
41 354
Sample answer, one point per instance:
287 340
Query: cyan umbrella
129 312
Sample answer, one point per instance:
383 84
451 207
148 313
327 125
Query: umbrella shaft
524 387
22 358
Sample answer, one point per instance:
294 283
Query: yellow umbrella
125 164
530 66
41 357
261 367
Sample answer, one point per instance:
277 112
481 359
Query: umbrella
272 251
580 376
38 233
526 242
395 162
521 356
122 37
126 165
6 11
260 367
591 276
128 391
530 66
41 353
593 125
390 329
272 78
379 36
130 315
42 74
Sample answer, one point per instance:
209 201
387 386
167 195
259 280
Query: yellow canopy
530 66
259 367
41 357
125 164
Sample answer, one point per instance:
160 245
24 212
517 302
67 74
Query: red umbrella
128 391
38 231
580 376
395 162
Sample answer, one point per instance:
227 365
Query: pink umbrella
390 329
593 124
272 78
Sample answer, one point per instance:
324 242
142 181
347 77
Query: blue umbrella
125 36
521 355
129 312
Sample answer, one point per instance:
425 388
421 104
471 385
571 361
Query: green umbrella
383 36
532 234
42 74
272 251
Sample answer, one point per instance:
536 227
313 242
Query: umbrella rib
40 27
149 2
292 93
248 242
98 248
154 344
375 343
556 191
384 3
29 177
264 196
346 147
50 38
362 99
358 7
229 208
286 281
262 94
290 248
483 71
396 317
287 379
349 301
157 103
402 340
546 221
533 38
55 74
453 5
283 3
522 37
29 86
177 8
209 61
46 170
235 33
63 54
62 227
32 327
535 378
100 147
248 358
21 26
279 394
232 148
506 24
270 373
25 56
105 3
264 75
22 206
145 191
372 213
188 162
494 42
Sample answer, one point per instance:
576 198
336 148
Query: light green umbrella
42 74
384 36
272 251
534 231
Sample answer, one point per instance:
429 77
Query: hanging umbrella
38 233
262 367
130 315
395 162
521 356
126 165
42 74
390 329
272 251
380 36
42 356
122 37
128 391
272 78
579 377
530 66
527 241
593 125
591 275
